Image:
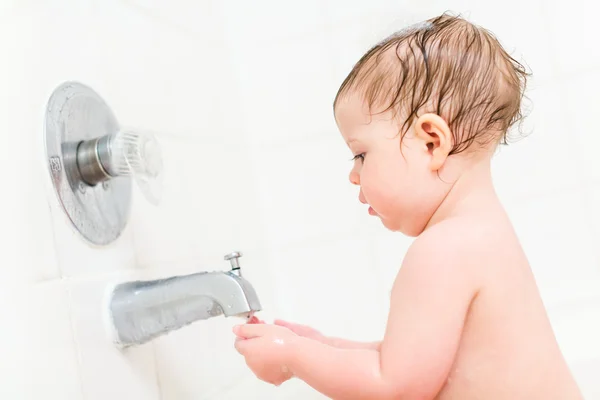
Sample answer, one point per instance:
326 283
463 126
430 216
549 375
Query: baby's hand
264 347
254 320
302 330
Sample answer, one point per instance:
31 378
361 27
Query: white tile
332 286
582 106
29 254
286 90
402 13
107 372
544 158
252 388
152 74
577 327
10 8
45 34
258 270
199 360
586 374
200 18
556 234
573 34
271 21
208 208
347 12
349 42
295 389
389 251
593 211
78 258
24 210
46 37
38 353
522 29
7 6
305 191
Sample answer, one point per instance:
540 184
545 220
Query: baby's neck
472 192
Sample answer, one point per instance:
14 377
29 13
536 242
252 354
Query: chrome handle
234 260
126 153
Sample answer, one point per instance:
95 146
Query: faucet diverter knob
233 258
125 153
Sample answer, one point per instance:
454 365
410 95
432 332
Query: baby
422 113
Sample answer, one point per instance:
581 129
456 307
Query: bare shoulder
460 238
459 245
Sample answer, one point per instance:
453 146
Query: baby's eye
359 157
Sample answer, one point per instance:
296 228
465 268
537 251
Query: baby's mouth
371 211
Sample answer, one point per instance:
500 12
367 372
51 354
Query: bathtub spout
140 311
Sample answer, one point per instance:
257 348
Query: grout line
574 302
227 387
584 181
51 199
588 203
539 194
75 341
83 278
157 18
59 270
156 371
549 33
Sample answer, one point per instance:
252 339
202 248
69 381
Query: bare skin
495 358
466 319
506 349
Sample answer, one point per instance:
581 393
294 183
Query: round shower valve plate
76 113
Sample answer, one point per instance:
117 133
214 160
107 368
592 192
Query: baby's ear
435 133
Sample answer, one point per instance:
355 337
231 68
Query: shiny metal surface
233 259
140 311
76 115
88 161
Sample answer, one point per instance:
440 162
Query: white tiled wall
240 94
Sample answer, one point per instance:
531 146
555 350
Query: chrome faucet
140 311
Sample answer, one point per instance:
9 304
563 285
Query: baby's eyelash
356 157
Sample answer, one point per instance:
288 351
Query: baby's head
421 107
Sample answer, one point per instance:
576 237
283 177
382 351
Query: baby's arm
311 333
351 344
429 304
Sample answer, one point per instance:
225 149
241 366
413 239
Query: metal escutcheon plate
75 113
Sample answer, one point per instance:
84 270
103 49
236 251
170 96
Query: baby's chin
391 224
404 227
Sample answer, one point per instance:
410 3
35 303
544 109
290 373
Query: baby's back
508 349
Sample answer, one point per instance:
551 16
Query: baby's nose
354 178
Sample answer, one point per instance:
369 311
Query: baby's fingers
290 325
248 331
298 329
241 345
254 320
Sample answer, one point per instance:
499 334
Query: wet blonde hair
447 66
